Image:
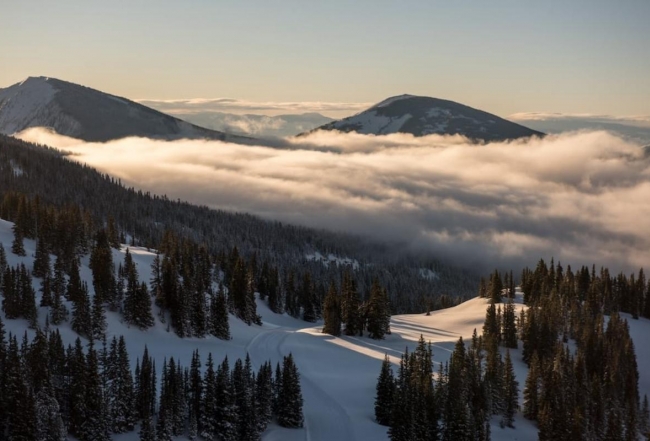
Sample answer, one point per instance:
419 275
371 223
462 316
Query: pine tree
219 322
226 414
385 394
95 424
49 424
264 396
147 430
41 260
378 314
17 246
81 313
350 306
332 312
98 319
101 264
531 391
510 393
290 399
196 394
509 325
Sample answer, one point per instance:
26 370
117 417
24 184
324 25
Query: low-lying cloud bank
581 197
236 106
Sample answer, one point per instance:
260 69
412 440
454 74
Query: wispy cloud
271 108
581 197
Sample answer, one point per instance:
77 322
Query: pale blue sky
504 56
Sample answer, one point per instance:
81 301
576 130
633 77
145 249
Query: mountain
256 125
420 116
84 113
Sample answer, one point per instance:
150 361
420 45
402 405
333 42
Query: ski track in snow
325 418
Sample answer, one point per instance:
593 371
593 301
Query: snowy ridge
84 113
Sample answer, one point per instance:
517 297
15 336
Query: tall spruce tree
290 398
385 396
332 312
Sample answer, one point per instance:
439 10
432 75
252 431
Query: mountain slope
421 116
84 113
338 374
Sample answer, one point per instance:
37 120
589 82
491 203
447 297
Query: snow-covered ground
338 375
331 258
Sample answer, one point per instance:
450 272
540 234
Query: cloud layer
581 197
270 108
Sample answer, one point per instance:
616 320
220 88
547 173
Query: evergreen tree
531 391
332 312
101 264
41 260
95 423
385 394
509 325
378 313
81 313
49 424
98 319
17 246
350 306
290 398
219 322
510 393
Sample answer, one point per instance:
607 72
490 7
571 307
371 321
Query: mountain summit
420 116
84 113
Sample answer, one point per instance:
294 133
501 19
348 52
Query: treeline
87 198
474 385
50 391
589 390
193 288
345 308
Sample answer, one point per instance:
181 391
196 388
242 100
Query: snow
331 258
371 123
22 102
338 374
18 171
428 274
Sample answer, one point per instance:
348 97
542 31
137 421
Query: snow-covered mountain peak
81 112
421 116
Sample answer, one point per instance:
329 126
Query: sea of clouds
582 197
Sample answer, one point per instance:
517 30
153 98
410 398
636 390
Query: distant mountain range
84 113
260 126
88 114
420 116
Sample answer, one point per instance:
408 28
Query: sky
503 56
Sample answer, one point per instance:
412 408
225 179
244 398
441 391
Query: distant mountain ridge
81 112
421 116
256 125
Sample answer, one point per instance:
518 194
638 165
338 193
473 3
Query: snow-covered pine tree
219 324
81 313
290 407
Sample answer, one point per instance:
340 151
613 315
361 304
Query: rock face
420 116
84 113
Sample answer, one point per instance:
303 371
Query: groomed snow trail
325 418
